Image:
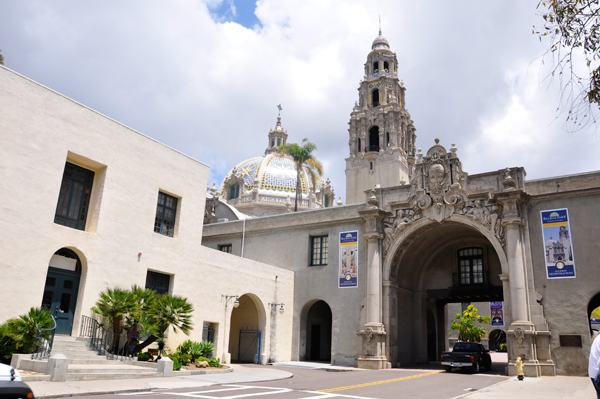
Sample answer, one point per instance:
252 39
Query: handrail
114 346
43 342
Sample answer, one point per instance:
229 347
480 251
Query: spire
277 136
380 25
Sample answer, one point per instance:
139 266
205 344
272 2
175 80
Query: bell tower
382 135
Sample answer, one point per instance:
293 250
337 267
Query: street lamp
236 303
281 310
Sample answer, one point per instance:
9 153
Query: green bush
215 363
182 358
207 348
19 335
501 348
144 357
176 365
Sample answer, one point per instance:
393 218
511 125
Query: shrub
182 358
176 365
501 348
215 363
19 335
144 357
207 348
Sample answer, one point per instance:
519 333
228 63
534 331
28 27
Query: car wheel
476 367
448 369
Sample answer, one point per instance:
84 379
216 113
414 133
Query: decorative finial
279 108
437 141
380 25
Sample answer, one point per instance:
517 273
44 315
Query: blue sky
238 11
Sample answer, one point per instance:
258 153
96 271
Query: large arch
246 330
63 288
316 320
421 275
592 306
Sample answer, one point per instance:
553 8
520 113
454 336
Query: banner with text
497 312
558 247
348 271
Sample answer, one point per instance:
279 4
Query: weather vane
279 108
380 24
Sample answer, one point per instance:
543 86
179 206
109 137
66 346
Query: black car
11 386
470 355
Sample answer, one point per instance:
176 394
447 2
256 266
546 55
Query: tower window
278 141
272 142
358 145
375 97
371 165
375 67
326 201
386 66
234 191
387 139
374 139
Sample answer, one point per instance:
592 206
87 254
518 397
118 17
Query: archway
374 139
61 288
451 262
593 313
497 338
317 332
245 331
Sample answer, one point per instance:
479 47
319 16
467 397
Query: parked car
470 355
11 384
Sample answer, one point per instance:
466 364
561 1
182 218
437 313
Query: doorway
61 288
318 340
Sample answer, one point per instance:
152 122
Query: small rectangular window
470 266
208 331
319 250
74 196
225 248
158 282
166 210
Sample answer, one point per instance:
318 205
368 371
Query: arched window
374 139
272 142
470 266
386 66
358 145
234 191
375 67
326 201
375 98
387 139
278 141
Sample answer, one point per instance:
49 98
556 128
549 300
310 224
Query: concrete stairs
86 364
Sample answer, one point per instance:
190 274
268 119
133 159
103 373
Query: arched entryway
61 288
246 330
594 314
374 139
428 266
497 338
317 332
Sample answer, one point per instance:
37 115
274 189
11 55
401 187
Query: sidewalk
240 374
543 387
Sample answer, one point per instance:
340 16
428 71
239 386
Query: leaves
465 324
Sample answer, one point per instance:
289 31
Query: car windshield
466 347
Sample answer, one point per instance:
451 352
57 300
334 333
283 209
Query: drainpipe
243 237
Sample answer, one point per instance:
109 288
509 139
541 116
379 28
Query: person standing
594 365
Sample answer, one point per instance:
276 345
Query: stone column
373 333
516 270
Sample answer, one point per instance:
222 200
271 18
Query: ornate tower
277 137
382 135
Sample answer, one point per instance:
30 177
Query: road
364 384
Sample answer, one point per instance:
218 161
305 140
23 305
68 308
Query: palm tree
23 330
114 304
168 311
302 155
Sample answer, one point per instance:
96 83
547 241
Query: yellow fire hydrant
519 366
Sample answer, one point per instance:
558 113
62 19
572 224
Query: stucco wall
565 301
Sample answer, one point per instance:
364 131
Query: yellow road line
379 382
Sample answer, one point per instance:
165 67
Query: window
326 200
74 197
375 67
387 139
164 223
386 66
470 266
319 248
374 139
208 332
158 282
225 248
234 191
375 98
358 145
278 141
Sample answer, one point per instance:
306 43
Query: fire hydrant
519 366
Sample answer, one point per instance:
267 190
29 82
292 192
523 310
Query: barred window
158 282
166 210
319 250
470 266
74 196
225 248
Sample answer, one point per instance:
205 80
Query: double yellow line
379 382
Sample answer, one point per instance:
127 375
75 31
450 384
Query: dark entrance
318 340
373 139
431 337
62 286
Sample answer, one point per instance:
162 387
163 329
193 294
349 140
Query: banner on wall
348 271
497 312
558 247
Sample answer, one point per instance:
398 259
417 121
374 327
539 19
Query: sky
205 77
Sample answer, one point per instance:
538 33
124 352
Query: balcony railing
114 346
372 148
43 342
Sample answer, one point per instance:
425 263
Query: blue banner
497 313
558 247
348 268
